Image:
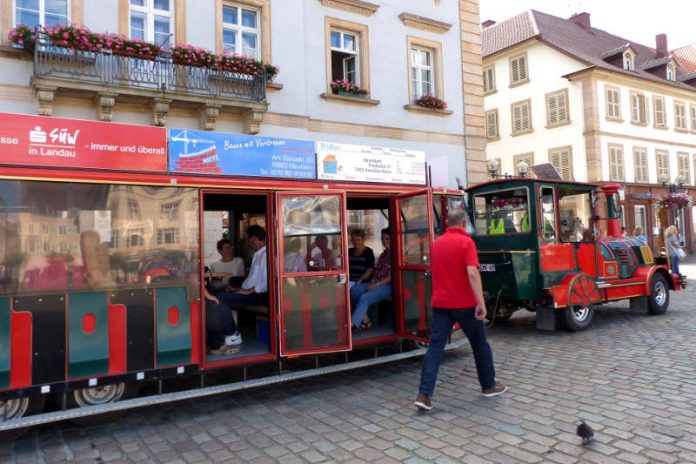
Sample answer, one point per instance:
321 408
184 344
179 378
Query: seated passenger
254 289
293 259
374 291
361 259
320 257
217 318
640 236
227 267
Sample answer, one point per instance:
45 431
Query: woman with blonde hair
640 236
673 246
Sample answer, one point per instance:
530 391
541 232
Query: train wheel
658 301
576 317
17 408
96 396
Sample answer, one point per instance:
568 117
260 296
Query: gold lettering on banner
353 6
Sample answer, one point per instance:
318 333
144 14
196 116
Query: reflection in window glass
415 231
502 212
315 221
575 210
90 246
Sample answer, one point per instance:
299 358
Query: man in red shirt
457 297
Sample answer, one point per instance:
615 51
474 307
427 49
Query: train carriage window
575 215
548 214
502 212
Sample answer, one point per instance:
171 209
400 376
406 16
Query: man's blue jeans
443 320
361 299
236 302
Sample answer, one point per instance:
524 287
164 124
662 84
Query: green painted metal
4 342
173 340
412 281
88 352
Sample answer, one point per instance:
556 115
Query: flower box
674 200
430 102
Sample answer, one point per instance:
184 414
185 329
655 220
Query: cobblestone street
632 377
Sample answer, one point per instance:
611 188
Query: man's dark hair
222 242
256 231
386 231
357 233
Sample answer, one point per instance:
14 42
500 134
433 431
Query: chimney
661 46
582 20
487 23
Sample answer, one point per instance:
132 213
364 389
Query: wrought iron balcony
108 78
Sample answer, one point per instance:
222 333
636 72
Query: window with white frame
41 12
345 57
241 30
492 124
133 209
684 168
640 164
692 116
613 95
671 72
616 162
519 72
659 110
489 79
638 108
662 158
422 72
522 158
629 60
640 217
562 159
521 117
680 116
557 108
152 21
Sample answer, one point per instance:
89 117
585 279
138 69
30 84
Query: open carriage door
313 272
413 284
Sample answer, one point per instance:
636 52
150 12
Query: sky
635 20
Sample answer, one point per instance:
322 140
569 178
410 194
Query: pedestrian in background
674 248
457 296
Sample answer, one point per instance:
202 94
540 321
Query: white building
396 52
599 107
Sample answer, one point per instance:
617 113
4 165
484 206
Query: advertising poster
340 161
27 140
215 153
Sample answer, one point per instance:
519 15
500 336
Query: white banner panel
340 161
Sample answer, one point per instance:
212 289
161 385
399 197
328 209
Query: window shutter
523 67
516 118
562 107
552 110
492 124
562 162
524 114
662 163
659 112
616 169
488 80
692 111
515 70
640 162
684 169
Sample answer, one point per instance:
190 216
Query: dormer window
671 72
629 60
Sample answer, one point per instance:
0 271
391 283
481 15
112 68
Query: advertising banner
339 161
215 153
28 140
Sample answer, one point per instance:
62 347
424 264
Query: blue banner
215 153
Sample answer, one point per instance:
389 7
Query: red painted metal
117 339
557 257
196 332
21 337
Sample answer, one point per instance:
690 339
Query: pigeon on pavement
585 432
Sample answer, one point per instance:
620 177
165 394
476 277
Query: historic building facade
390 53
599 107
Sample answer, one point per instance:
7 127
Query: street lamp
522 168
493 168
677 184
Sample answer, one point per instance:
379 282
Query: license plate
487 268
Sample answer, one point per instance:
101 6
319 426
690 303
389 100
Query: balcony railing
159 74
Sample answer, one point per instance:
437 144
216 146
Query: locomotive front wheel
576 317
95 396
658 301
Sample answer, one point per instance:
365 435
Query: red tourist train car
104 241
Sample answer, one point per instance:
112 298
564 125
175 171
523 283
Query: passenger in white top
228 265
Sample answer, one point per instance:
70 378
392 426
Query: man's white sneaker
235 339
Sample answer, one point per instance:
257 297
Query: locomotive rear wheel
658 300
576 317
